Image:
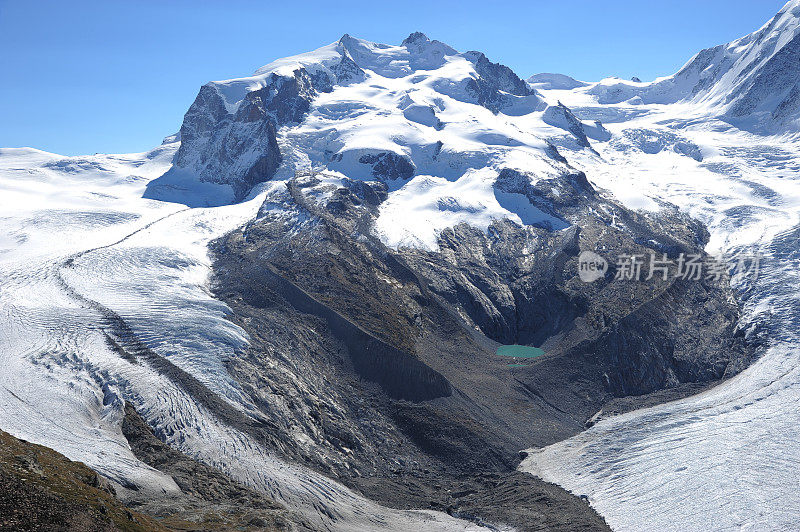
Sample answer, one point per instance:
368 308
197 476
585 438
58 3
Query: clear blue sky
83 77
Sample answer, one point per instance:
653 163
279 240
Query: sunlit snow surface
418 103
76 237
75 230
728 458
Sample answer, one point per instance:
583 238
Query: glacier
728 458
90 242
64 386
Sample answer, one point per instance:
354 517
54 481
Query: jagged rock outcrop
495 82
388 166
232 143
638 337
561 117
412 450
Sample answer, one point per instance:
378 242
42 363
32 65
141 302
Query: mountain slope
113 308
726 458
40 489
363 109
365 225
752 82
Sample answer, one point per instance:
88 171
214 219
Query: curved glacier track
126 343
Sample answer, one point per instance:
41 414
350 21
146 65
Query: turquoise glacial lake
519 351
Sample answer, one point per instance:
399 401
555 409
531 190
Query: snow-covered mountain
318 401
719 140
365 110
305 289
752 82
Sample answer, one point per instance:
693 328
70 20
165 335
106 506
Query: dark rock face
239 150
560 116
604 341
388 166
497 76
426 54
400 375
494 83
446 451
285 99
238 147
414 39
373 194
778 75
553 196
347 70
637 337
790 106
207 110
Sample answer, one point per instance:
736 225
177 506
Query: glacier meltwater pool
518 355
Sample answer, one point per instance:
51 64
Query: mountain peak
751 82
416 37
346 39
426 53
239 121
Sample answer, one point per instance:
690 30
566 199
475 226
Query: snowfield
85 258
729 458
78 240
